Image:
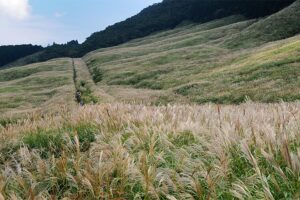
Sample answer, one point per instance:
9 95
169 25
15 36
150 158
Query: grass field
119 151
203 111
38 87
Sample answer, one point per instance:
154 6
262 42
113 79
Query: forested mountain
158 17
13 52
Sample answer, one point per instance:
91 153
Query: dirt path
84 79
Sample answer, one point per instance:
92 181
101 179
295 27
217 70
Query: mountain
159 17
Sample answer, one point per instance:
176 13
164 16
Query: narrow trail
82 77
75 80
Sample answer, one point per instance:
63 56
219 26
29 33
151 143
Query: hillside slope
278 26
192 64
37 87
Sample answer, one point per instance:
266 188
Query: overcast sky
47 21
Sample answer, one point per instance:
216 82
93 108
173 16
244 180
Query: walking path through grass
86 86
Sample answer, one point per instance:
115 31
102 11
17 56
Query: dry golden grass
121 151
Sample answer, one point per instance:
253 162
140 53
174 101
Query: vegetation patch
47 142
185 138
45 81
143 80
185 90
86 92
54 142
8 89
86 134
8 121
11 102
12 74
97 75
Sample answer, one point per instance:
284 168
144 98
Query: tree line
11 53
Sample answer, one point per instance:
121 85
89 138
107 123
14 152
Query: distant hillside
159 17
11 53
54 51
283 24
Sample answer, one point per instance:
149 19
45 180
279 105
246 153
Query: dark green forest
158 17
11 53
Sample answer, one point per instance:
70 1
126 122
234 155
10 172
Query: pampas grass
250 151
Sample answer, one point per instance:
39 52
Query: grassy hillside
41 86
278 26
117 151
199 63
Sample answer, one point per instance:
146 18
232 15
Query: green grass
47 142
86 92
17 73
97 75
8 121
53 142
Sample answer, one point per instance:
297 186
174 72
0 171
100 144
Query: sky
46 21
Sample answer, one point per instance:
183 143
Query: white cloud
20 26
15 9
59 14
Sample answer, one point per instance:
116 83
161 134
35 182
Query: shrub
97 75
47 142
